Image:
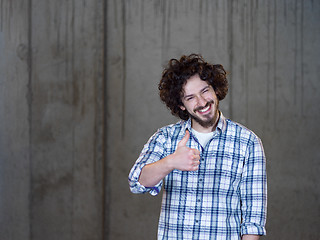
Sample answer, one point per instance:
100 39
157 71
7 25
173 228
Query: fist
185 158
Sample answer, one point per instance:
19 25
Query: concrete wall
271 51
52 120
78 99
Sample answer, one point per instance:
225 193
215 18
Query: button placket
200 189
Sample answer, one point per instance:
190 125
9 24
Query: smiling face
201 102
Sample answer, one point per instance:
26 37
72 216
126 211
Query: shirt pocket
230 169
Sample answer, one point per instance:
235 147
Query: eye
205 90
189 98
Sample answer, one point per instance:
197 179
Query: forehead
194 85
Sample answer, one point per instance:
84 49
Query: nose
201 101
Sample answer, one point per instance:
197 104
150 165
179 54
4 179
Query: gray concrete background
271 51
51 113
78 99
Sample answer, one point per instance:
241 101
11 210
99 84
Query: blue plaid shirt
224 199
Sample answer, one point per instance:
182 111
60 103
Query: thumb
184 140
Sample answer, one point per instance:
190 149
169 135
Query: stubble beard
208 121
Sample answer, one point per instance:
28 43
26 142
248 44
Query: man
213 169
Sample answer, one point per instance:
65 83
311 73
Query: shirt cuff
252 228
139 188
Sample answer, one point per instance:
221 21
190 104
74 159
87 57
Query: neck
199 128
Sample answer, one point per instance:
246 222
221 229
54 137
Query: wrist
250 237
168 163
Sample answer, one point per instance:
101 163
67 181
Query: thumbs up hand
185 158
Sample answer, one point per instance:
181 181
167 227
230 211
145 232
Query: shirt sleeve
152 151
253 190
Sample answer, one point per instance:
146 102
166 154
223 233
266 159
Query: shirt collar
221 126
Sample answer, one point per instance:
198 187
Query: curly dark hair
176 74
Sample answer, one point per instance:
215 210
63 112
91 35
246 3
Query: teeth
205 109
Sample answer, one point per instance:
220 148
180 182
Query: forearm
183 159
250 237
152 174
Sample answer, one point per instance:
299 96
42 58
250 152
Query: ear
182 108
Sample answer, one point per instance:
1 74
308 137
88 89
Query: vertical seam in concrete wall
247 63
1 15
124 51
105 176
163 30
275 65
230 47
295 55
72 33
302 60
200 27
268 58
29 101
